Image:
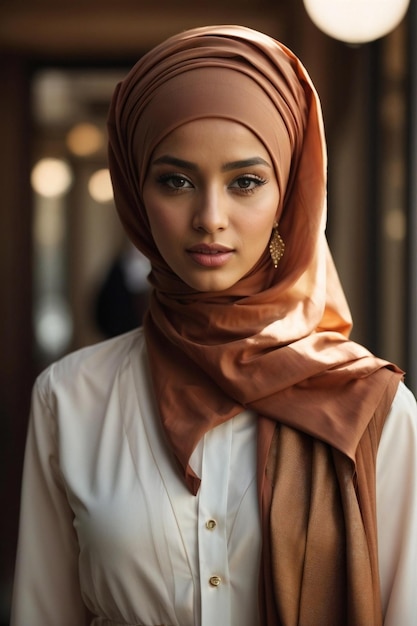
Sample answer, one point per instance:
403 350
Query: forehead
211 136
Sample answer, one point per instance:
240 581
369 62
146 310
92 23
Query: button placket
213 549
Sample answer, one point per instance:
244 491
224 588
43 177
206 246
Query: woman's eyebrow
166 159
236 165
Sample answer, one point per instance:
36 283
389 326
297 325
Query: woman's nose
210 212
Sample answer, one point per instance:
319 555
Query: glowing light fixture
356 21
84 139
53 325
51 178
100 186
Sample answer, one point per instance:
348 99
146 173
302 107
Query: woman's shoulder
92 366
404 403
399 435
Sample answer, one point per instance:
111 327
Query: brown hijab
277 341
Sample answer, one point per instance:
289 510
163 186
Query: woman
239 460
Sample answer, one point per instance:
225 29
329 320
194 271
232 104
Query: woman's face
211 197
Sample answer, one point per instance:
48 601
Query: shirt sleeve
397 511
46 588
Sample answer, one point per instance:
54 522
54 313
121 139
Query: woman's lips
210 255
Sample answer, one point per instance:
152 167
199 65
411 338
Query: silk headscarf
277 341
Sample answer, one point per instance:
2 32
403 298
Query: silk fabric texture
277 341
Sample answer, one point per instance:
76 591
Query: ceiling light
356 21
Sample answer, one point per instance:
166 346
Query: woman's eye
247 183
174 181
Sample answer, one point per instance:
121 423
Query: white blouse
107 522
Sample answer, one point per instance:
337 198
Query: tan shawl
319 521
277 341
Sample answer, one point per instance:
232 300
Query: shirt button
215 581
211 524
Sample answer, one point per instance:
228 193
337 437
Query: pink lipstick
210 255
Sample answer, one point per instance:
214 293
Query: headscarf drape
277 341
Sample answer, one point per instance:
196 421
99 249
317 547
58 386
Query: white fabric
397 511
107 522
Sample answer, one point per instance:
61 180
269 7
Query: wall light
100 186
356 21
51 178
84 139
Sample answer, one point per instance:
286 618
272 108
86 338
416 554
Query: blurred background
69 278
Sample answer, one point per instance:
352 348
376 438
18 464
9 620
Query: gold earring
276 246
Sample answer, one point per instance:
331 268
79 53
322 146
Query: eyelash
166 179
